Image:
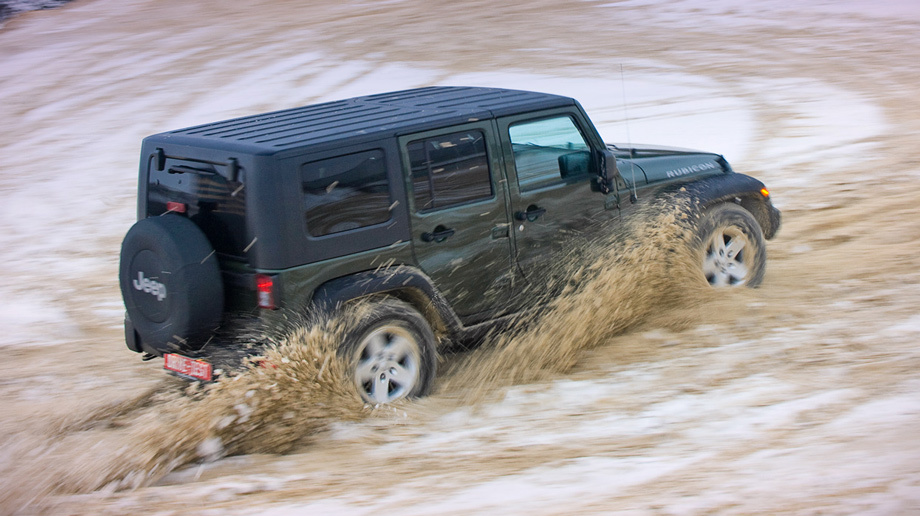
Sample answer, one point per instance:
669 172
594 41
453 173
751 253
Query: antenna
632 166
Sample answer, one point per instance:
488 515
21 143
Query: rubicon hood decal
682 171
661 164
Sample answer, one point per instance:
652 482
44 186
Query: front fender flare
733 187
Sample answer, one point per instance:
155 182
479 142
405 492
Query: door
557 216
460 227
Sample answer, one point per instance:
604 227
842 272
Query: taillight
265 291
177 207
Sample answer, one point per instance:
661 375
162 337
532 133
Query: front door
460 224
557 216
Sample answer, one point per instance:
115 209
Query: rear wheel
390 353
732 248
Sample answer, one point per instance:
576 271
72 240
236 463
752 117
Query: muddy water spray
301 386
271 407
648 267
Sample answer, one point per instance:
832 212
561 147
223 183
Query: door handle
500 231
533 213
439 234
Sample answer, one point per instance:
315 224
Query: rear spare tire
171 283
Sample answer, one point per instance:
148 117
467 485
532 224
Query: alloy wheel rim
388 365
725 261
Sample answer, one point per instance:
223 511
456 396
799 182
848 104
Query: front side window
546 150
449 170
346 192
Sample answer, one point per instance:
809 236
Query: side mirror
574 164
606 171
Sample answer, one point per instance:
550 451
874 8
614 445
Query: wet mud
639 390
298 386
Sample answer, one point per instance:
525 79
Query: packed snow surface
799 397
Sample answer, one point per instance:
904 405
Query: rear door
460 223
557 216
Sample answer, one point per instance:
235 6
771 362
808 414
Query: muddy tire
171 283
390 353
732 248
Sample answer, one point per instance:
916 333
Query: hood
646 164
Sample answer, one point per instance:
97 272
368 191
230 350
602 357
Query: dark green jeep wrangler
443 205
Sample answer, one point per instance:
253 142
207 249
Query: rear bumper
132 339
222 356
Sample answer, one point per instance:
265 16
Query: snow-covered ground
800 397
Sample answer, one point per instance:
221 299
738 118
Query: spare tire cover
171 283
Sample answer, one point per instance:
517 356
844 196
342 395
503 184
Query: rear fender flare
406 283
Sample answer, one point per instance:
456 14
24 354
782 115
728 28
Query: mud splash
648 268
271 407
299 386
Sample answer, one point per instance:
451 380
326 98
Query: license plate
188 366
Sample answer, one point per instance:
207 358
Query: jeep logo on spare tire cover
148 288
171 283
153 287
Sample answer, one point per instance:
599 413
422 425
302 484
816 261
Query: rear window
216 205
346 192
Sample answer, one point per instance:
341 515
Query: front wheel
733 252
390 352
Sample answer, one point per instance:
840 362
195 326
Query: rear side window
449 170
346 192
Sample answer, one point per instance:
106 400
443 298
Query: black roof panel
380 115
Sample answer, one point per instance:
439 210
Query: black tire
390 352
171 283
732 248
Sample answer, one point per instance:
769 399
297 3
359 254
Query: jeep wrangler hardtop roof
361 118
